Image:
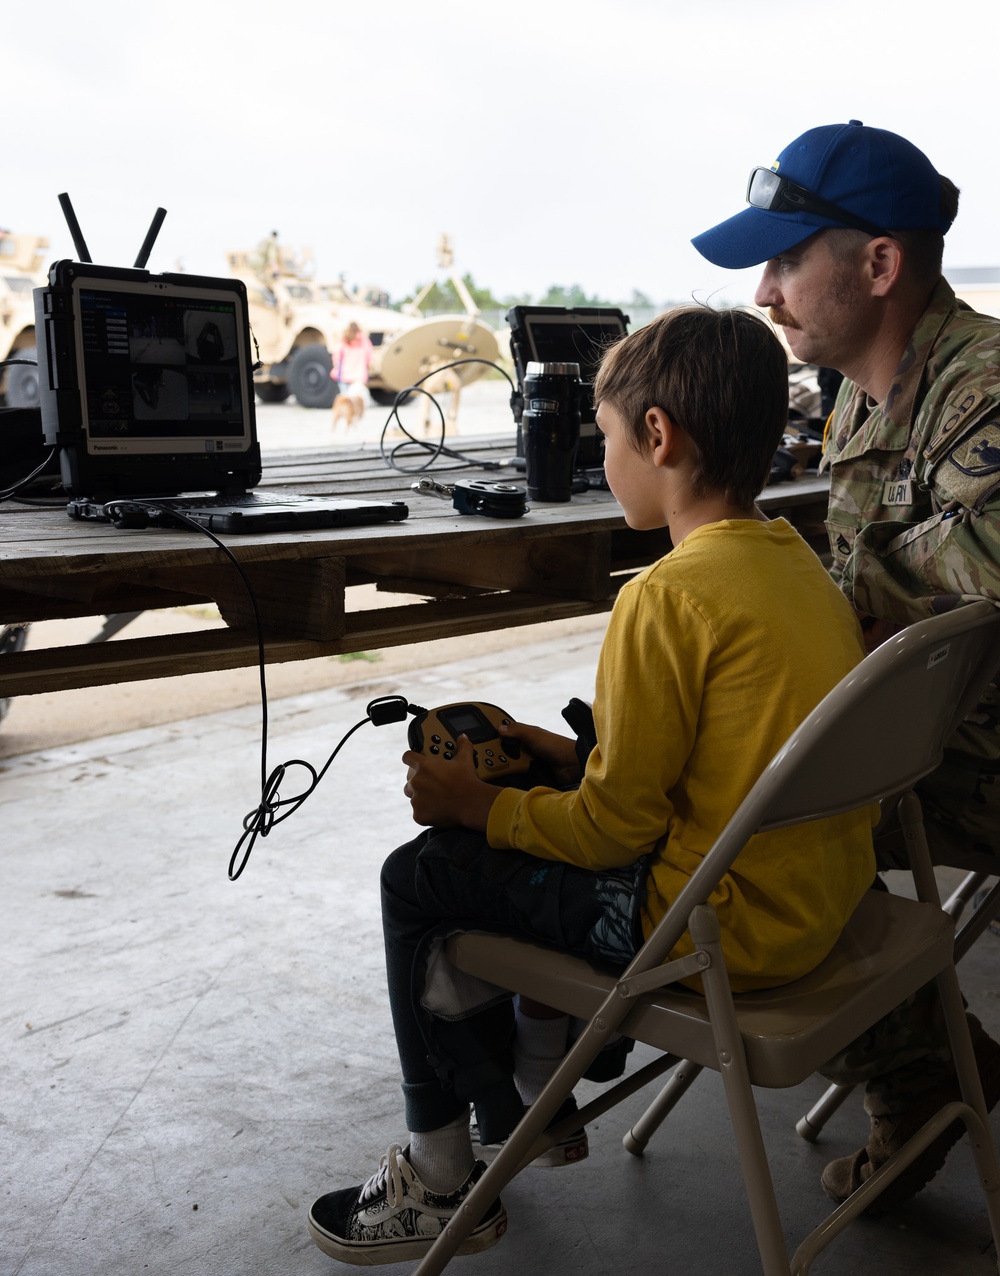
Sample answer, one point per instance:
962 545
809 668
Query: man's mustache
781 318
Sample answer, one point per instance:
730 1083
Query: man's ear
661 434
884 263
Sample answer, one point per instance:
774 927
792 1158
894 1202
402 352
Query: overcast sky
576 141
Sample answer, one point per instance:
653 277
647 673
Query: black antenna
150 240
82 251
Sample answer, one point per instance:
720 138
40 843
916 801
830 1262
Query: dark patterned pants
452 879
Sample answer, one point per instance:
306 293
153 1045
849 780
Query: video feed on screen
160 366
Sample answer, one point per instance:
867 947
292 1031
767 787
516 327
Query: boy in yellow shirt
698 685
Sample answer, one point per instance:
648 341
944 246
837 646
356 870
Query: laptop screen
146 382
558 334
571 337
160 368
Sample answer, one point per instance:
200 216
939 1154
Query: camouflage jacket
914 515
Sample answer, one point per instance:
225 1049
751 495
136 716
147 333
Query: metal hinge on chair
670 972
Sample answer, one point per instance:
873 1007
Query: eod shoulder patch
979 454
972 470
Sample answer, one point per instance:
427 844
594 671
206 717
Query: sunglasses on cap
772 193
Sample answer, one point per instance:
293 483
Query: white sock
443 1158
539 1048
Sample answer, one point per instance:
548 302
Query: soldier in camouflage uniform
914 530
850 223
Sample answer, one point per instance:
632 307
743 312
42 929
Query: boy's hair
722 376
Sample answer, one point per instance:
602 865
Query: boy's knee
436 855
400 866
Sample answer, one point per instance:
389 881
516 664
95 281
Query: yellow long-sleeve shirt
712 657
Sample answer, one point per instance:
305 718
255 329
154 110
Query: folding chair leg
981 1139
739 1093
978 922
811 1125
965 891
635 1140
519 1147
957 1024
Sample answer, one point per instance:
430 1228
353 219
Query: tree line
444 296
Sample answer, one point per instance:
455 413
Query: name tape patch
897 492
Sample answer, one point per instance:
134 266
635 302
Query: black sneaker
393 1217
574 1147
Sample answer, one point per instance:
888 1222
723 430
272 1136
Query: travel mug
550 428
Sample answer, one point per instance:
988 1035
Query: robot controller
498 759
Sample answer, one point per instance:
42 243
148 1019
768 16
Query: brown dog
347 409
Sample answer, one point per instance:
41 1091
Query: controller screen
467 720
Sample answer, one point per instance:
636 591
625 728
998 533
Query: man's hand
556 751
448 794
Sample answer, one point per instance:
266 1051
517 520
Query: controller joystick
498 759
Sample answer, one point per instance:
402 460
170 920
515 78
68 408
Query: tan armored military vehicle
22 269
296 322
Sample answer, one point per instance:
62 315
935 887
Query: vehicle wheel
309 377
271 391
12 639
22 380
386 398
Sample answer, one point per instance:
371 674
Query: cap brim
753 236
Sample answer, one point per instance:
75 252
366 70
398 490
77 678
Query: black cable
257 364
10 492
53 503
261 820
436 449
111 508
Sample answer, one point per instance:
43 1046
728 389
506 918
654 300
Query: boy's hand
448 794
556 751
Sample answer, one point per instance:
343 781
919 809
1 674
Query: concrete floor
187 1062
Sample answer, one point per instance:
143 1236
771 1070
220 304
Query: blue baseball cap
875 180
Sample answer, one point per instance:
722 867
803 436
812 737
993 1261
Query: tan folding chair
874 735
986 906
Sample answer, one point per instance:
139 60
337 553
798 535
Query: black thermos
550 428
